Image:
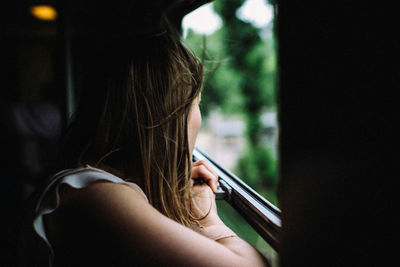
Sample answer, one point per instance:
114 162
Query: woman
129 194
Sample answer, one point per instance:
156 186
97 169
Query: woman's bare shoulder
102 201
99 222
103 193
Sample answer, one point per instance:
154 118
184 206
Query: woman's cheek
194 124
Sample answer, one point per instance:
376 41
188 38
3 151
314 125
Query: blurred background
236 41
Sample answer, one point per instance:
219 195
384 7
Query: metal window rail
263 216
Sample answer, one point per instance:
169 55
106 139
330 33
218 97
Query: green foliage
253 129
249 54
258 167
240 65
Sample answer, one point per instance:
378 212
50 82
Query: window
236 42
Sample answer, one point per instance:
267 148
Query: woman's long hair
132 118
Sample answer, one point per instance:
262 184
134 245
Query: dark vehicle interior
337 114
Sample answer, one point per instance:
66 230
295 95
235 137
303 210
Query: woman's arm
124 228
211 224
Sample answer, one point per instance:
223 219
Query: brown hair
132 118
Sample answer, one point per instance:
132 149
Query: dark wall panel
338 113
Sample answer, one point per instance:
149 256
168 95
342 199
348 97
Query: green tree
253 58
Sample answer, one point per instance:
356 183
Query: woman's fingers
202 170
205 176
206 165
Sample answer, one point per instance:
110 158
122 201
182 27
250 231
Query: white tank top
78 178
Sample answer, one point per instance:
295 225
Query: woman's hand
204 187
202 172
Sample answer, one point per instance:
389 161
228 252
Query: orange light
44 12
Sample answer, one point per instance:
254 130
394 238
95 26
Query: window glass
235 40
